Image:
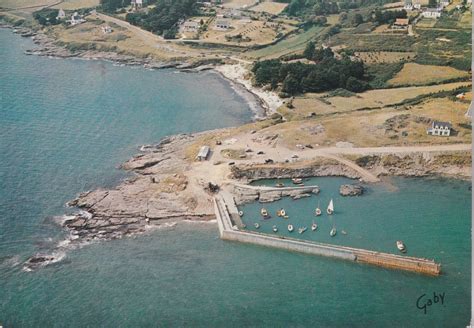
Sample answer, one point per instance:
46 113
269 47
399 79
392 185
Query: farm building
440 129
203 154
400 24
136 4
431 13
76 19
222 24
61 14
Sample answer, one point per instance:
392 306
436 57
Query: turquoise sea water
64 127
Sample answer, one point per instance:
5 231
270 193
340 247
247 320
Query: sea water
65 125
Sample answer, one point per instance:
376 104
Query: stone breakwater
247 194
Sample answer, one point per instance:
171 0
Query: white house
61 14
222 24
76 19
431 13
444 3
136 4
417 5
203 153
106 29
190 26
408 5
440 129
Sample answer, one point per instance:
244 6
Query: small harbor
310 234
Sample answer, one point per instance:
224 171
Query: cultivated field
426 23
273 8
16 4
375 57
415 74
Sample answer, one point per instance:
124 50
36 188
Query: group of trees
327 73
47 16
163 18
388 16
112 5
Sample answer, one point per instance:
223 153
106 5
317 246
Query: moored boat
274 228
330 209
264 212
333 232
401 246
290 228
297 180
314 226
256 225
241 213
302 229
281 212
344 232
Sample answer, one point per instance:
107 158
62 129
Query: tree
309 50
357 19
433 3
291 85
355 85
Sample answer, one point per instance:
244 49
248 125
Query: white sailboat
290 228
275 229
256 225
330 208
333 232
264 212
314 226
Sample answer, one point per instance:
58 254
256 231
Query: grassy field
381 127
237 3
273 8
323 105
466 20
289 45
375 57
426 23
415 74
77 4
258 32
14 4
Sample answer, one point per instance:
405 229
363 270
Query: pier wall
228 231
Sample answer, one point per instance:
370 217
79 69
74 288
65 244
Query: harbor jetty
228 222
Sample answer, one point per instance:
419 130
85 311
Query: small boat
333 232
301 230
290 228
317 211
330 208
281 212
256 225
344 232
241 213
297 180
264 212
401 246
286 217
274 228
314 226
279 185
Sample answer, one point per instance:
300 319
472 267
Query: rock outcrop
351 190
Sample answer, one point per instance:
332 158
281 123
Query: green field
287 46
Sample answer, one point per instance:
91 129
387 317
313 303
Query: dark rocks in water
351 190
37 261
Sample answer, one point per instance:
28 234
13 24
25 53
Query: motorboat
264 212
317 211
297 181
290 228
333 232
274 228
401 246
256 225
281 212
241 213
330 208
314 226
279 185
286 217
301 230
344 232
